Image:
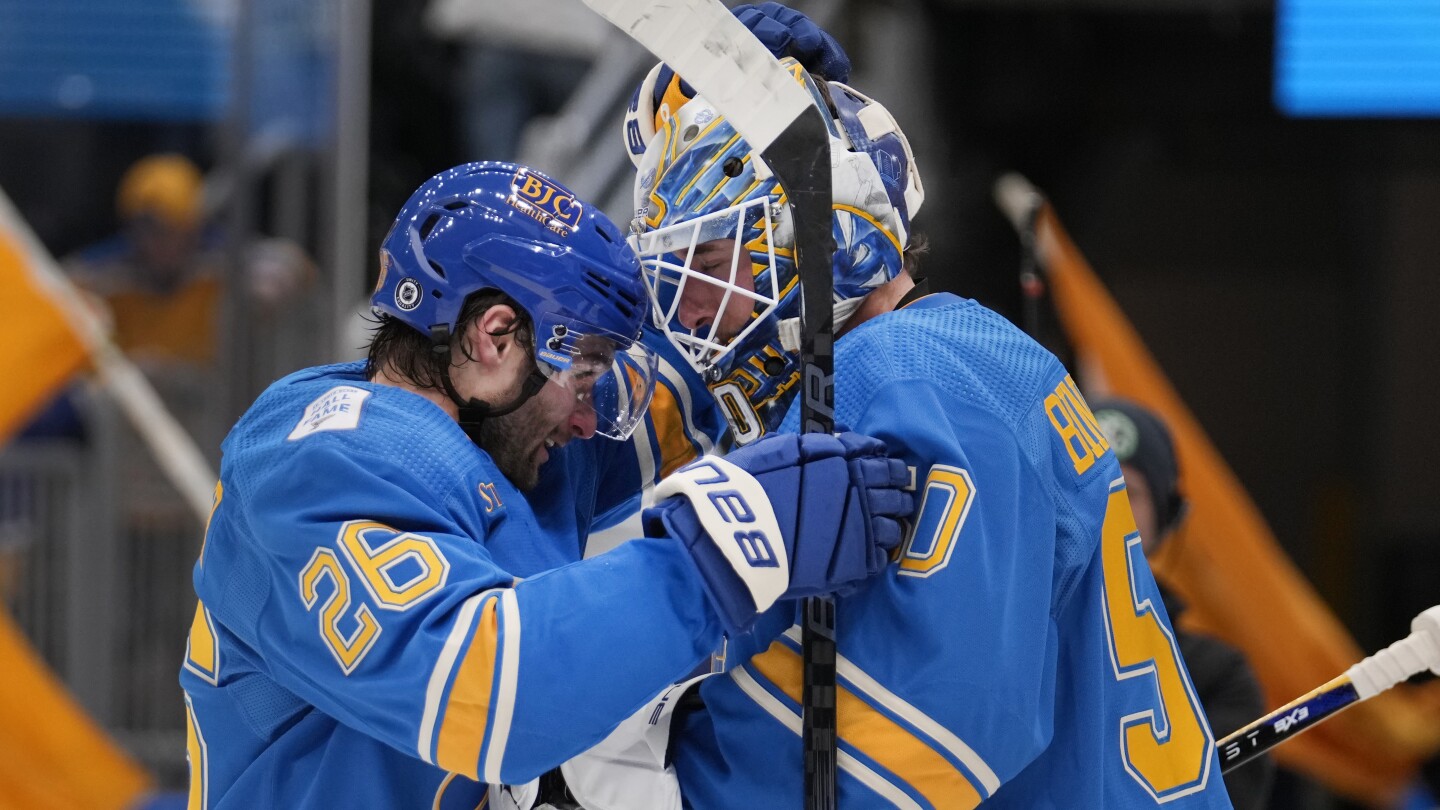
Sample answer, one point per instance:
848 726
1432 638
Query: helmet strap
789 328
474 412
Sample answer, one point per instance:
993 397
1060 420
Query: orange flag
1228 566
41 344
55 757
54 754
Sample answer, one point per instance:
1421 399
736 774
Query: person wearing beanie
161 276
1223 679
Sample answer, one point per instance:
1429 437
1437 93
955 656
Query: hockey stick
1412 655
701 41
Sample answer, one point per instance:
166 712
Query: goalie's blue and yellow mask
715 239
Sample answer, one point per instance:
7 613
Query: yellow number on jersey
202 649
199 756
376 563
347 651
943 509
1167 747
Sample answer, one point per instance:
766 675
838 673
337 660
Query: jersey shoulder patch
336 409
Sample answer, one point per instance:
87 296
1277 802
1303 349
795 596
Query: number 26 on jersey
397 570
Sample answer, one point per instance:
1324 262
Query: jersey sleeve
361 592
971 587
682 423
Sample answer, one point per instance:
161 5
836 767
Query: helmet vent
603 235
457 205
434 265
427 227
599 285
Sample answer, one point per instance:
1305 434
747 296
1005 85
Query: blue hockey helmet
499 226
699 183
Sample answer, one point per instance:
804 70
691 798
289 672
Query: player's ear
490 338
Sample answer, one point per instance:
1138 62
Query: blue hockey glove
791 515
787 32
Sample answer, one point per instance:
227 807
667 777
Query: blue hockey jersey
1017 653
385 622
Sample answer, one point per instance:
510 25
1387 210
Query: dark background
1283 271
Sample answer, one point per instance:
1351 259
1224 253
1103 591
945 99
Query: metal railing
96 550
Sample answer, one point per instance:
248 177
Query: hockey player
1017 653
383 619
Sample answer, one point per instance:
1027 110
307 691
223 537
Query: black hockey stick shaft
1285 722
726 64
794 156
1409 656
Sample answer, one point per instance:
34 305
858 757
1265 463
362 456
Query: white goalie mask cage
668 258
698 182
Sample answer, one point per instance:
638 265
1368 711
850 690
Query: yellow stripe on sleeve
676 449
876 736
468 708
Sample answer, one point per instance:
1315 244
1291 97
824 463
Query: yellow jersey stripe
848 763
467 710
898 706
440 673
876 736
670 410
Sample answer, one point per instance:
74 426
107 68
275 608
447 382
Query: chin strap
473 412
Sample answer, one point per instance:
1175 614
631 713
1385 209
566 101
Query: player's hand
787 32
788 516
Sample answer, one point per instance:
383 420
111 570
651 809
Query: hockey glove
787 32
791 515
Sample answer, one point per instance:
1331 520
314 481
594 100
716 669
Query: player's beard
513 439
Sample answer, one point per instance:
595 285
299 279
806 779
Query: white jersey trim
503 711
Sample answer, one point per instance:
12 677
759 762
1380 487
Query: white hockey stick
703 42
1405 658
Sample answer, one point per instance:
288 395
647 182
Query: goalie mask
499 226
716 242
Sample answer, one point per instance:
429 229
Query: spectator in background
1227 687
162 276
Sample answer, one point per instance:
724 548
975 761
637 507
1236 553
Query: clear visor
612 384
702 288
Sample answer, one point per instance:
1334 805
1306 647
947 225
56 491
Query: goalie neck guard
732 307
499 226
